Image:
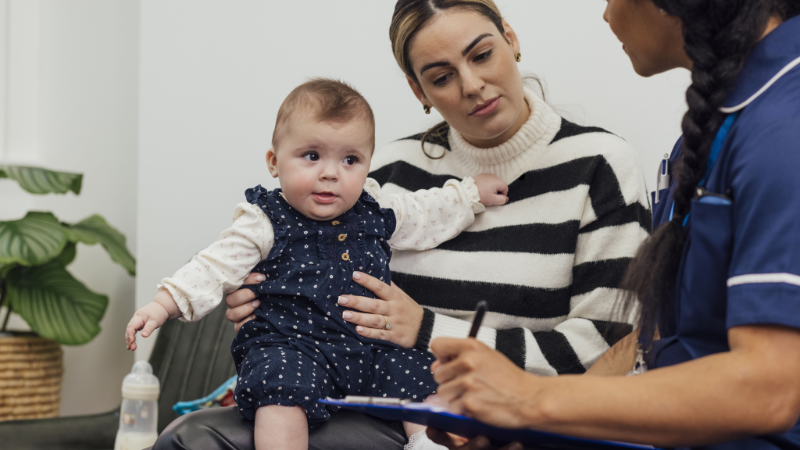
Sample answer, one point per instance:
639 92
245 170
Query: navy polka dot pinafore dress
299 349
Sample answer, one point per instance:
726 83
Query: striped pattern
56 305
43 181
548 263
32 240
95 229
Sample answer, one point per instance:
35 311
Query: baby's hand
147 319
492 190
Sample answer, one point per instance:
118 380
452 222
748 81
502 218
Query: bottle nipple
140 384
142 367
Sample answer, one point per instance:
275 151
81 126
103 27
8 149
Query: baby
326 222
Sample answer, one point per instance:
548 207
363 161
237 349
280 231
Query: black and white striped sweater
549 262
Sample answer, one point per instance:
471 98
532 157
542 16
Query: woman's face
467 71
652 38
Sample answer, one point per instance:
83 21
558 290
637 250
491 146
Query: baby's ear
272 163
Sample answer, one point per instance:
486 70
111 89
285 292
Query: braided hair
719 36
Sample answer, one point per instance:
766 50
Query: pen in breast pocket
662 182
480 310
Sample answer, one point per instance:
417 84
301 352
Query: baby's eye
311 156
350 160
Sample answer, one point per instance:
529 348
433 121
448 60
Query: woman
549 262
719 280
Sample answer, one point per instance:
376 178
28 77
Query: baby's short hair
330 101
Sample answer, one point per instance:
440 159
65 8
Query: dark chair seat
190 360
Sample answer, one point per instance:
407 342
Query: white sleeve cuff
184 304
471 193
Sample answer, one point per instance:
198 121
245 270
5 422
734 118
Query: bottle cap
140 384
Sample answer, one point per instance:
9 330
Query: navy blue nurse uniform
741 262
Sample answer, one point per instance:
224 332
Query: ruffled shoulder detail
389 219
271 203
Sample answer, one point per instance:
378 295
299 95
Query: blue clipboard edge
467 427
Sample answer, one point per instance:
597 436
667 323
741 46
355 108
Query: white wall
86 121
590 79
214 73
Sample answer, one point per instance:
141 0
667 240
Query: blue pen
662 182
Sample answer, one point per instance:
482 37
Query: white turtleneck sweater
549 262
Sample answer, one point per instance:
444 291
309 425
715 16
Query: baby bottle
138 416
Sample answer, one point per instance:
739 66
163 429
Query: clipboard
438 417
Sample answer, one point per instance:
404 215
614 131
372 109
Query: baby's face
322 166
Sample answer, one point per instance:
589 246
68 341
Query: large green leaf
42 181
32 240
68 255
95 229
55 304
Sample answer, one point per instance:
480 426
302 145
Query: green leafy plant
34 254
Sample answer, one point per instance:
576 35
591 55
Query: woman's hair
719 36
409 17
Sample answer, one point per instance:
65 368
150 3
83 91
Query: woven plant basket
31 369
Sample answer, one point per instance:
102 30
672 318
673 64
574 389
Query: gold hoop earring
518 56
426 108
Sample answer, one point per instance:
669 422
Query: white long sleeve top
425 218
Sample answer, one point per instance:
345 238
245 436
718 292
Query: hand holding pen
478 381
480 311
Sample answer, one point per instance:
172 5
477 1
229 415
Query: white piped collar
775 56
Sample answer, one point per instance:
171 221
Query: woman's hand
482 383
242 303
453 442
393 306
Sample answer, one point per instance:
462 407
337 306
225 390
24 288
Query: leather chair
190 360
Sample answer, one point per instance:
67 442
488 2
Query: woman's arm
543 352
753 389
409 320
571 347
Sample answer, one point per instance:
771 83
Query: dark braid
719 36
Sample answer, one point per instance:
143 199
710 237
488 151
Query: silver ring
387 326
